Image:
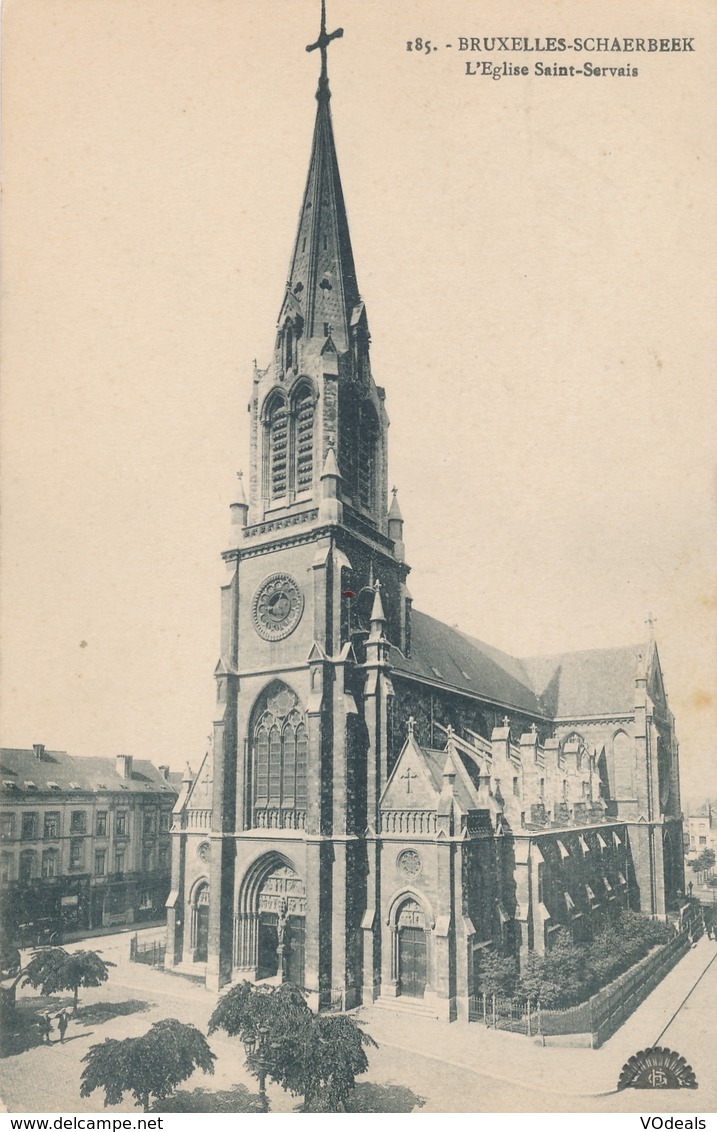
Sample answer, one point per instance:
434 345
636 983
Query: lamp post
255 1044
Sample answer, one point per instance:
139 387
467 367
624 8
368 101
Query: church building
386 796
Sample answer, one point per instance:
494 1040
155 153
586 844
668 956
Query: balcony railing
408 821
266 817
197 819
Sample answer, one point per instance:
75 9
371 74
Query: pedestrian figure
46 1027
62 1023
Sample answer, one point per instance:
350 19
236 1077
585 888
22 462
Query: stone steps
405 1005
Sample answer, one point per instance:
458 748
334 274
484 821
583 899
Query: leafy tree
496 974
704 862
558 977
318 1057
334 1055
53 969
269 1020
569 973
149 1067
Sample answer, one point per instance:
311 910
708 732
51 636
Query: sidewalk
505 1069
551 1069
116 929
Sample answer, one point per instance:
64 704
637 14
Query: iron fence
599 1016
519 1015
151 952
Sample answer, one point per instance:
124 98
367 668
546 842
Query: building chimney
164 771
39 749
124 766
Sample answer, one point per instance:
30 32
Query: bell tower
314 598
317 392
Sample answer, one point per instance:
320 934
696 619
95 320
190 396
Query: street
421 1065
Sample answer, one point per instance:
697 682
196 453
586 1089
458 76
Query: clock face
277 607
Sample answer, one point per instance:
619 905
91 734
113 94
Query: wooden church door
412 961
202 933
268 945
295 936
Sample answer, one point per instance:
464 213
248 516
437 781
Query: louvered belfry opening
304 440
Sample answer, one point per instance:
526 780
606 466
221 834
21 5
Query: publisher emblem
657 1068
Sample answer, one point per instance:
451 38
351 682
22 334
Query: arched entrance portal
412 958
200 923
270 924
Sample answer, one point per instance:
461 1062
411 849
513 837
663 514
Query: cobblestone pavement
421 1066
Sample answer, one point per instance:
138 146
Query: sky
537 259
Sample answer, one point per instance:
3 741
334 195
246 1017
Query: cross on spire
322 43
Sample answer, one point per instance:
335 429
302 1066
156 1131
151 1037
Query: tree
53 969
333 1057
149 1067
704 862
268 1020
558 977
318 1057
496 974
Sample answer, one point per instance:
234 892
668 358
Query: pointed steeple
378 617
395 527
239 509
322 275
331 509
394 511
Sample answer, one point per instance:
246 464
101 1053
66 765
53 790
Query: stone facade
385 796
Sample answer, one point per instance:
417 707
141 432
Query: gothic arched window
279 756
358 448
303 416
276 424
368 438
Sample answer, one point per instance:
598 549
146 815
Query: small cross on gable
409 776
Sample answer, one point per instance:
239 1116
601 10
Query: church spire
322 43
322 288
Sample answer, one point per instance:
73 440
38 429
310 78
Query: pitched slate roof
446 656
57 772
434 762
591 682
463 788
594 682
